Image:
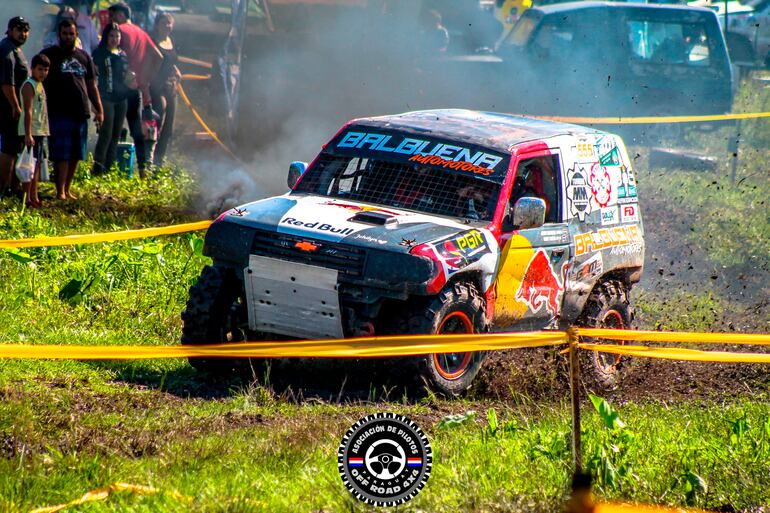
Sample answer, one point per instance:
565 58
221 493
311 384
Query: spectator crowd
124 76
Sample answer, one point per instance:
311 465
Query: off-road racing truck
442 221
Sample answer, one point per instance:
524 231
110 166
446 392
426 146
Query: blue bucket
126 157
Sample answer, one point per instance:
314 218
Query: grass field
69 427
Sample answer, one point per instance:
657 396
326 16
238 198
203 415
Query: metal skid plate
292 299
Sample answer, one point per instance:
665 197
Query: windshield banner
366 142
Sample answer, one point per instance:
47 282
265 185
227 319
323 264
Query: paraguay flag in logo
355 462
414 462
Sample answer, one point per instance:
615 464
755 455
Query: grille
348 260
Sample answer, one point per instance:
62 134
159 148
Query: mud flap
292 299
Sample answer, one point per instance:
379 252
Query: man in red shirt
144 59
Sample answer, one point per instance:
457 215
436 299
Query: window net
409 186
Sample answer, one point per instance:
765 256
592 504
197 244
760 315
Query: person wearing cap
13 73
72 91
144 59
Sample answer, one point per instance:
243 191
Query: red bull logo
540 285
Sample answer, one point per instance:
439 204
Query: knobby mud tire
215 313
607 307
458 308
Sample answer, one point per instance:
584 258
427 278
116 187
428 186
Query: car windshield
414 186
669 42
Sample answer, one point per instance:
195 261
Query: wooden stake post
574 378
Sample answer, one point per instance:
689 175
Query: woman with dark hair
163 85
115 81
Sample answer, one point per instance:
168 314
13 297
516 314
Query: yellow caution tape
676 353
662 336
101 494
203 124
91 238
639 508
640 120
401 345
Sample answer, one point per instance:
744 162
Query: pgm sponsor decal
421 148
629 213
606 238
317 226
540 287
601 185
579 193
609 216
369 238
588 270
461 250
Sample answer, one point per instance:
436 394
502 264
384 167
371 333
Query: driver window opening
536 178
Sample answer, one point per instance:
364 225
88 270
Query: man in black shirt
13 73
71 91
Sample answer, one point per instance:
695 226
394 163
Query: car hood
350 222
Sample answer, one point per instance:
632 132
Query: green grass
246 454
69 427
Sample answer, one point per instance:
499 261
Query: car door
530 280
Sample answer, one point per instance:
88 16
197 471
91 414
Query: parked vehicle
750 26
443 221
619 59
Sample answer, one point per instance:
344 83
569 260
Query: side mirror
528 212
296 170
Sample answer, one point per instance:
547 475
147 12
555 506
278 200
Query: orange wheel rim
453 365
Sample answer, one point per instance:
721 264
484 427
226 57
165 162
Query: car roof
579 6
489 129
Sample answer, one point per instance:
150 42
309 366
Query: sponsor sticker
318 226
560 235
629 249
461 250
584 151
400 144
629 213
609 216
606 238
578 193
588 270
369 238
540 286
384 460
601 185
627 187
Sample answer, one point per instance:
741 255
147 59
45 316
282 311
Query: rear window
669 42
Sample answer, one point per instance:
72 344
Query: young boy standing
33 124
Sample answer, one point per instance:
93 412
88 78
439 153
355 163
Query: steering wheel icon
380 462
